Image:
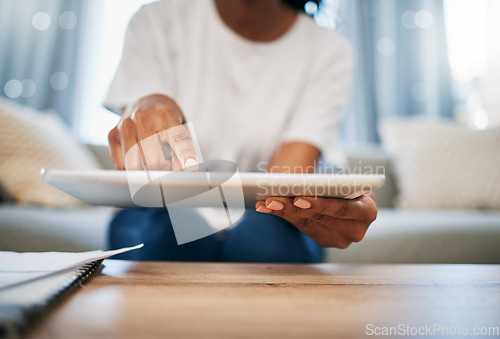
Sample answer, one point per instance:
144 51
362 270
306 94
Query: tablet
203 189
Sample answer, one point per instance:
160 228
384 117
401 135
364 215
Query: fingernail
275 205
263 209
302 203
191 165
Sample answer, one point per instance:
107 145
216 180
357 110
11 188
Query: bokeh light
59 81
13 88
41 21
386 46
67 20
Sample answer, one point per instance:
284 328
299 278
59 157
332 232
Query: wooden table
195 300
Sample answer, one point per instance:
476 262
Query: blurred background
437 58
425 109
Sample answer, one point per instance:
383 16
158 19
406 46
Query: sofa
397 236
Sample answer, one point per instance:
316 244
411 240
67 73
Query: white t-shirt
244 98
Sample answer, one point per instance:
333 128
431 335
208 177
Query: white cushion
443 165
427 236
31 140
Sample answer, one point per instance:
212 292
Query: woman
262 84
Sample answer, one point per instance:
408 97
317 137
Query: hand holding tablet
304 200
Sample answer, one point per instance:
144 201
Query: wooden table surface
197 300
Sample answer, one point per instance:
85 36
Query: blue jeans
258 238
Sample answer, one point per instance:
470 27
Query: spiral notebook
32 284
31 302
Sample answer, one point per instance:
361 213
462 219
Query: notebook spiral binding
29 318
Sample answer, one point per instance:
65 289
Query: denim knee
269 239
152 227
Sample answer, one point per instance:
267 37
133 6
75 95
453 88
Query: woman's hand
329 222
151 136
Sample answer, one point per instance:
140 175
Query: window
474 55
105 42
